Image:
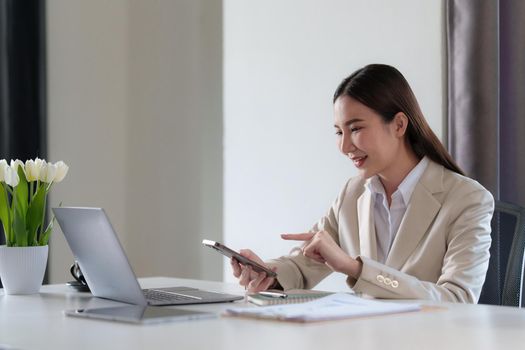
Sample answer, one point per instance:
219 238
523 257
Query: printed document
333 307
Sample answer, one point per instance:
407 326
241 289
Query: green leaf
4 211
19 210
44 237
35 214
19 237
21 192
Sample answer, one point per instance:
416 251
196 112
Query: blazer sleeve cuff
376 280
287 274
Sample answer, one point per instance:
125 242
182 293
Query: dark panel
22 80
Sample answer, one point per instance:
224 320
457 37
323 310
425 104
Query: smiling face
366 139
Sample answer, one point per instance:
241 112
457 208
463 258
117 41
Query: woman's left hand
321 247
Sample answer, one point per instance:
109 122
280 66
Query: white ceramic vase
22 268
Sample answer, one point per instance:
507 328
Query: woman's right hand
252 281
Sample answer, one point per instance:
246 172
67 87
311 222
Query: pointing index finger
297 236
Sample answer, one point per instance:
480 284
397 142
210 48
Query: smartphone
221 248
139 314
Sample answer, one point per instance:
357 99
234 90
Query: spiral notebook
292 297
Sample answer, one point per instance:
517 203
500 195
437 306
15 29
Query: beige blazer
441 251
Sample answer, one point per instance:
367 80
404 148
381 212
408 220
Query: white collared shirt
387 220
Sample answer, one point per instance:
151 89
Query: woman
410 225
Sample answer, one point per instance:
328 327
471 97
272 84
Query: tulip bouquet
23 193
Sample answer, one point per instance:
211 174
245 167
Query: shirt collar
406 187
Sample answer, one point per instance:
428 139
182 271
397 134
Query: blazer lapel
421 211
367 231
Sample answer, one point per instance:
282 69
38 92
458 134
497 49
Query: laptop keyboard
184 296
166 296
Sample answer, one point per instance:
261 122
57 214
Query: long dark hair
384 89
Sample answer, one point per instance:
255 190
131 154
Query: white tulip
33 169
3 167
48 172
8 174
11 176
39 162
62 169
43 166
16 163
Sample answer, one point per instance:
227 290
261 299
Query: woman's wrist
354 268
358 268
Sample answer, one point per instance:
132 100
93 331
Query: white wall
174 140
135 109
87 110
282 63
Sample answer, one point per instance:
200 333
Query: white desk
37 322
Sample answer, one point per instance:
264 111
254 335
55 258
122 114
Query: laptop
106 268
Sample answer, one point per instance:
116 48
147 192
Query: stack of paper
332 307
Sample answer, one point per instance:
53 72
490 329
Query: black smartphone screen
230 253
